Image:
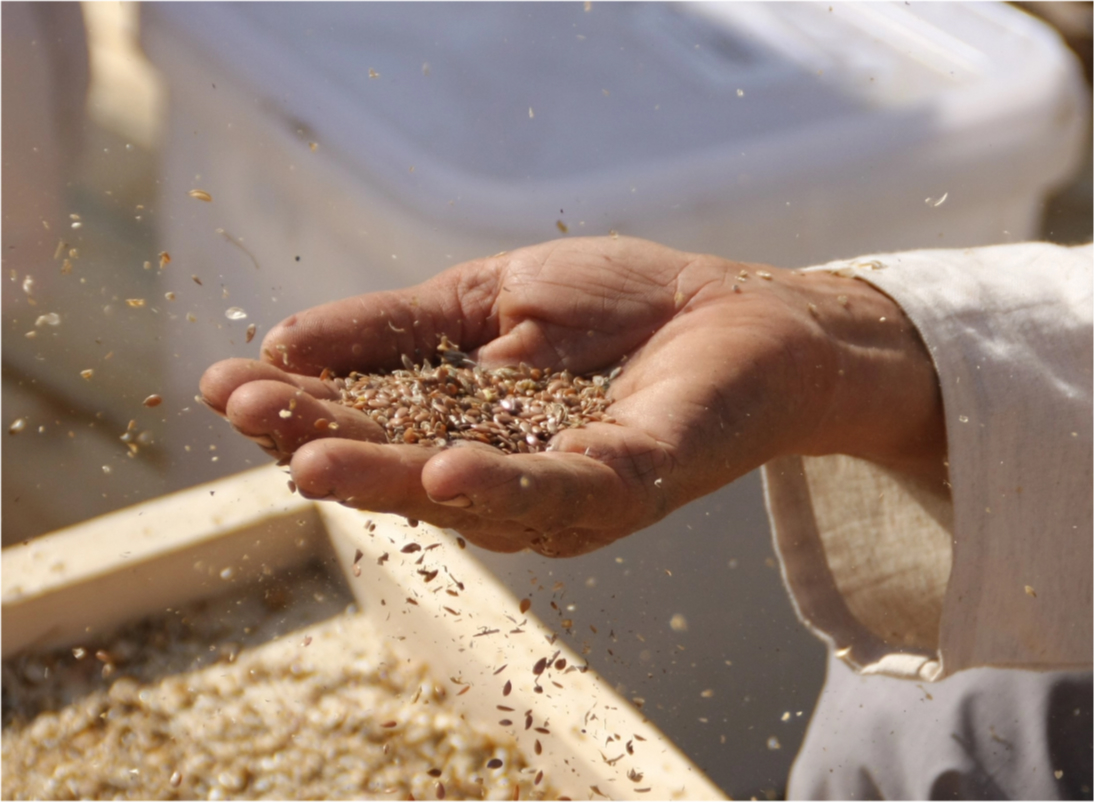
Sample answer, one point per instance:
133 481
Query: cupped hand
724 366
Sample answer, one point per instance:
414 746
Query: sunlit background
351 148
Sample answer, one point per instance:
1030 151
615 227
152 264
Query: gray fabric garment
985 733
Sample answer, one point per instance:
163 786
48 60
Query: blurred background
349 148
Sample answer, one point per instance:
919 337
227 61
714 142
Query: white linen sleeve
906 582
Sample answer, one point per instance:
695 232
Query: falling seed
50 319
461 543
507 688
1030 591
153 400
17 425
1058 774
87 374
200 194
525 605
373 73
541 664
537 748
494 763
165 259
251 332
559 224
389 724
235 313
307 640
773 743
963 419
530 114
678 623
176 779
707 694
227 573
441 790
169 296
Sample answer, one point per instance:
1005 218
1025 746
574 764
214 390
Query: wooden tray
461 621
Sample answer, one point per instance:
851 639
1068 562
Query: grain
198 706
516 410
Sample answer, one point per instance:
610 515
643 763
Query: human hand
725 366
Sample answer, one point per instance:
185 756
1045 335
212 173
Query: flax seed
516 410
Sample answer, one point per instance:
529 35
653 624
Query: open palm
722 370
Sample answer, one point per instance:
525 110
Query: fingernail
455 501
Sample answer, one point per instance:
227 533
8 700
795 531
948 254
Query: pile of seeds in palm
517 410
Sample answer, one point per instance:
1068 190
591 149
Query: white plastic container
358 147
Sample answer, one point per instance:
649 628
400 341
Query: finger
387 478
547 492
371 332
282 417
219 382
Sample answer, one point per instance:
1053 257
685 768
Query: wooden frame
186 546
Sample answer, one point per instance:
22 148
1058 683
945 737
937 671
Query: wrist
881 399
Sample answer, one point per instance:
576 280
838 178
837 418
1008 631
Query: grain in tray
187 705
